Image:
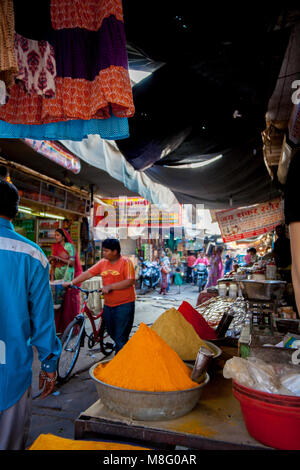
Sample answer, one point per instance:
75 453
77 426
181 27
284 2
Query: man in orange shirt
118 279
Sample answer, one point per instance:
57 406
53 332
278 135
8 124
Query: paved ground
56 413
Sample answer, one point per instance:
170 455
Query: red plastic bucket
273 420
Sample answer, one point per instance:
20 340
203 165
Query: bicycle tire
105 347
69 357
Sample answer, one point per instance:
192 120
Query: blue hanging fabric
113 128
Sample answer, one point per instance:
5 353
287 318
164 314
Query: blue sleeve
43 332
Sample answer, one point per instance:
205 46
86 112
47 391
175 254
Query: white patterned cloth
37 66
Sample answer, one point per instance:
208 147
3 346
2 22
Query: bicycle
74 335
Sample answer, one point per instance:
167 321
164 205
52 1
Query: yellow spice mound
51 442
146 363
178 333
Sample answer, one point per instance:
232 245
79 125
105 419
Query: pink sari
71 304
216 270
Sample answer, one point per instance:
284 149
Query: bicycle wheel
71 343
106 347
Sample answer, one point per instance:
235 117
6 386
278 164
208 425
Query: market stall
244 328
45 205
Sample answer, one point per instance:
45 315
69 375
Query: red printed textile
87 14
37 67
197 321
75 99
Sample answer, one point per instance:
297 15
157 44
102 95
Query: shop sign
251 221
133 212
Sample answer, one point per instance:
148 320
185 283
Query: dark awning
208 99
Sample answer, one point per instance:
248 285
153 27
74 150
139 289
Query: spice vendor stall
155 410
216 420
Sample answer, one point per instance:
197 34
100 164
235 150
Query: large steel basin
148 406
262 290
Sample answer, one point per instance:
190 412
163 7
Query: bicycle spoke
70 350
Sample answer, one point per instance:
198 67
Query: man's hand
67 284
47 381
106 289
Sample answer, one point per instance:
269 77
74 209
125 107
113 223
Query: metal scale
262 316
262 298
262 301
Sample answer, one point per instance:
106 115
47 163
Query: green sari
66 272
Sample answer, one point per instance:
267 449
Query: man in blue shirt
26 320
228 264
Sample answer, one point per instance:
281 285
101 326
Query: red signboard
247 222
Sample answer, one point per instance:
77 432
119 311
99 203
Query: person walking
26 319
216 270
118 279
228 264
164 272
65 265
190 263
178 279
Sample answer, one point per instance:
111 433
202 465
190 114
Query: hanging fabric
8 60
37 67
92 81
113 128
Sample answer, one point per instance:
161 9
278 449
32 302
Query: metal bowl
217 351
262 290
213 346
148 406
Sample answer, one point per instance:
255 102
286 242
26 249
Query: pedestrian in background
164 278
190 263
228 264
178 279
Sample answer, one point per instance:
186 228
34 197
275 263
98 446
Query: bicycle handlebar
85 291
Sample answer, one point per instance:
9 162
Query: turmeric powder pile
52 442
179 334
146 363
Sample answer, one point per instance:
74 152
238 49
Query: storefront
45 205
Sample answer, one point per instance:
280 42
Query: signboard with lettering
252 221
135 212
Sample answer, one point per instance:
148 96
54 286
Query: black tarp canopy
216 70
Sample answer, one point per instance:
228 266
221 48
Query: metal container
148 406
217 351
262 290
202 362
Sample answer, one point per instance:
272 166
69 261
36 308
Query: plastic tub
273 420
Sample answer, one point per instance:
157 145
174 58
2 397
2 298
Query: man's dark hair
9 199
252 250
112 244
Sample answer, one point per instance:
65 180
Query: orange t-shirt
115 272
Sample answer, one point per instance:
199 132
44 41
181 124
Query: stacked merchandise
213 310
64 69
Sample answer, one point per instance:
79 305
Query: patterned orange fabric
8 59
75 99
87 14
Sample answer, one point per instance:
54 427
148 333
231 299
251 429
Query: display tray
215 424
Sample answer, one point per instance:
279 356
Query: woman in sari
216 270
164 270
65 265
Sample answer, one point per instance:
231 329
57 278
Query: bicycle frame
92 318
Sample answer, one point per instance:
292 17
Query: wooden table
215 424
